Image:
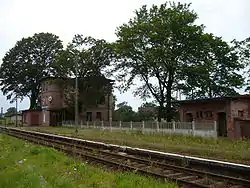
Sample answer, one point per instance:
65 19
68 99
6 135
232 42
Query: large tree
154 46
26 63
216 73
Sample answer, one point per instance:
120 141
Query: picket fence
205 129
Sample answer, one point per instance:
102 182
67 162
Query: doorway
189 117
89 116
222 124
99 116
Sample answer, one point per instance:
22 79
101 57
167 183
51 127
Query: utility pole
76 101
16 111
76 91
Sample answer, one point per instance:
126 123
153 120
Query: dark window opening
99 116
101 100
240 113
189 117
201 114
197 114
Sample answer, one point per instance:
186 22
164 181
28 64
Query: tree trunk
169 114
160 112
33 100
169 107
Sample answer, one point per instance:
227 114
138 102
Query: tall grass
24 165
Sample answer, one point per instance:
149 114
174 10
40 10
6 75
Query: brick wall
202 110
32 117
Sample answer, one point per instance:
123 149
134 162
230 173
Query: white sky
99 19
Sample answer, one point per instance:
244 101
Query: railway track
114 157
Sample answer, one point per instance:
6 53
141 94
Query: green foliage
147 111
155 46
86 56
164 48
26 63
242 49
23 165
124 113
215 74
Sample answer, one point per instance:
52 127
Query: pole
16 111
76 102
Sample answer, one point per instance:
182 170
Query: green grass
221 148
24 165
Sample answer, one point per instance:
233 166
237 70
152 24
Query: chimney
1 110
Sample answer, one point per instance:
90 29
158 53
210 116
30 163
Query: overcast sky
99 19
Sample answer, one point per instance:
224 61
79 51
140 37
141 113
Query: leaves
154 46
215 75
26 63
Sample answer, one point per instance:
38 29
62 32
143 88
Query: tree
124 112
10 111
242 48
147 111
215 75
26 63
154 46
85 58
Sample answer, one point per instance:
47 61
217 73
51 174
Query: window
101 100
197 114
208 114
211 114
201 114
99 115
240 113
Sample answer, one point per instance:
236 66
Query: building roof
31 110
215 99
19 114
53 78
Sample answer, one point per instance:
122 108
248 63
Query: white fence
205 129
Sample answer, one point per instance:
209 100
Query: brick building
231 113
55 109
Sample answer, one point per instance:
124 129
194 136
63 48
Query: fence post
157 126
94 124
193 128
131 125
110 125
215 129
173 126
102 125
87 124
143 125
120 124
81 124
